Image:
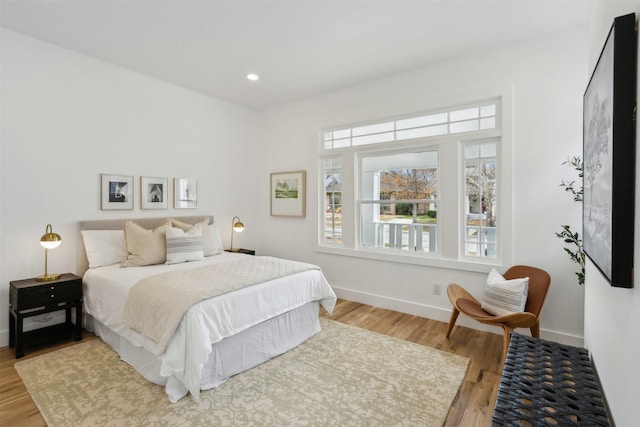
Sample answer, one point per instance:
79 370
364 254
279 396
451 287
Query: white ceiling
299 48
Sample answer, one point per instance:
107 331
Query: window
423 188
465 120
480 199
332 228
398 200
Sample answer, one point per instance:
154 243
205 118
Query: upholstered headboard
118 224
148 223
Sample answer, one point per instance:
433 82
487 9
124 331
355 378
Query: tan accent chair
463 302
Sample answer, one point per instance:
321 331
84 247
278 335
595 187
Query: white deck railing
407 236
414 237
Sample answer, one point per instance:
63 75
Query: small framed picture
117 192
185 193
288 193
153 193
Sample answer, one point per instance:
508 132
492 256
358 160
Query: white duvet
204 324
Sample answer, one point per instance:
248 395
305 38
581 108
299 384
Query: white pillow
184 246
216 242
211 241
503 296
144 247
104 247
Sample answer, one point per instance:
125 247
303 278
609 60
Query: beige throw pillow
144 247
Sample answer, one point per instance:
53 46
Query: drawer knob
52 296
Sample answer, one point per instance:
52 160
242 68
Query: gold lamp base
47 277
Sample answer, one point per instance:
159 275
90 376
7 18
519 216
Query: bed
221 333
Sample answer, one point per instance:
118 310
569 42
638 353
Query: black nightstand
31 298
241 251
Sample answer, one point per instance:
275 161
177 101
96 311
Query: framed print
609 156
185 193
288 193
153 193
117 192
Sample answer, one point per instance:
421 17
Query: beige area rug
344 376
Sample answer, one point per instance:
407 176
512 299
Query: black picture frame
609 155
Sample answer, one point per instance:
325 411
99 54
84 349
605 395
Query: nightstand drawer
49 294
29 294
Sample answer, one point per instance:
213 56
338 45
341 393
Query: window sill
428 261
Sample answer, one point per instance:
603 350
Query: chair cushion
471 308
502 297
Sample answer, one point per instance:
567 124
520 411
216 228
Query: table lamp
236 226
49 240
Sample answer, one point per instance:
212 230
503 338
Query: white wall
67 118
548 76
612 315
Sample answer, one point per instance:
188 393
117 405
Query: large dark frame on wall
609 155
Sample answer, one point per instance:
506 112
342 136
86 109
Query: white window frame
450 249
462 191
360 155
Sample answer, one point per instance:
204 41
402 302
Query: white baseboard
4 338
442 315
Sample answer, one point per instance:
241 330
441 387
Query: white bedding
206 323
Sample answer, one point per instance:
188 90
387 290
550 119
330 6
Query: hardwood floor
473 406
16 406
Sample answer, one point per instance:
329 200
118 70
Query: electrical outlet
436 288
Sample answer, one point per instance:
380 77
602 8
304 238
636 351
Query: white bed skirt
228 357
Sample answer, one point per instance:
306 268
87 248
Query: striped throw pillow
184 246
502 297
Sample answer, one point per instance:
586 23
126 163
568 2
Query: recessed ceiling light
253 77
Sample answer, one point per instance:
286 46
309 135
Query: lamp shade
49 239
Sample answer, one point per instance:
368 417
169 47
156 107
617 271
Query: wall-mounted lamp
236 226
49 240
